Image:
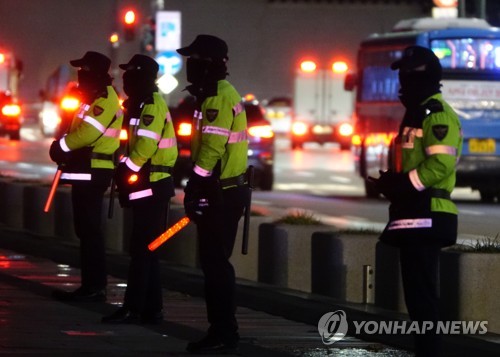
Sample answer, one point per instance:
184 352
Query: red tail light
346 129
69 103
11 110
184 129
261 131
123 135
299 128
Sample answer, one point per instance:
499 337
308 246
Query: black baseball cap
93 61
206 46
141 63
417 58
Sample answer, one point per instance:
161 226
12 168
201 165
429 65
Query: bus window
468 53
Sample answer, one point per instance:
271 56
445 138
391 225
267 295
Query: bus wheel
487 196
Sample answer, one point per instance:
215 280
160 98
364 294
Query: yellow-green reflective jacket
97 125
430 153
220 134
152 137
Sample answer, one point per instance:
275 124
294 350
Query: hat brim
124 66
77 63
185 51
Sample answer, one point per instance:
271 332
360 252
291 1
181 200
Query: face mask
416 87
136 83
196 70
87 81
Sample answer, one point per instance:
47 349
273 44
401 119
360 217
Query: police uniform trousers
87 199
216 235
420 274
144 292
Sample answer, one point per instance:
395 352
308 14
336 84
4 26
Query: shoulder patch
97 110
212 114
440 131
433 106
147 119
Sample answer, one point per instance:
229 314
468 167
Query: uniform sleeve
216 128
149 133
441 138
93 125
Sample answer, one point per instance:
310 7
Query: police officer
85 155
216 192
422 217
145 185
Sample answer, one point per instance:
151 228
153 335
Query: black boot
212 344
122 316
80 295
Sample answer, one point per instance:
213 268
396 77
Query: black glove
201 193
394 186
57 154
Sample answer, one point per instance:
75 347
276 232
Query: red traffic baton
169 233
53 189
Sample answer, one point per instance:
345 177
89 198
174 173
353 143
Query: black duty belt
440 193
161 168
101 156
234 181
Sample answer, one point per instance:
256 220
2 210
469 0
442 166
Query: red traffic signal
129 25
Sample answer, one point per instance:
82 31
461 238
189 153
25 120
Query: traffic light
129 25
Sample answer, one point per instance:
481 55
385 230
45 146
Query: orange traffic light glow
129 17
114 38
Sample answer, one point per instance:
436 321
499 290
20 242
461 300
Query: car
303 132
261 140
279 113
57 113
10 116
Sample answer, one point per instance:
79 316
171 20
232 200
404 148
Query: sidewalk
31 323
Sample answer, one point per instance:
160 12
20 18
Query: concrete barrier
469 287
35 220
285 254
338 267
12 198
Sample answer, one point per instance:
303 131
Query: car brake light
261 131
11 110
345 129
69 103
356 140
123 134
184 129
299 128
